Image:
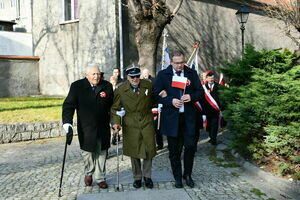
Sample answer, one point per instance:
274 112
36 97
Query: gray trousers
94 163
137 168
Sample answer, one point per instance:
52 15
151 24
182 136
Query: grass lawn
30 109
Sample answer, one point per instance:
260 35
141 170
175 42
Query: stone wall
31 131
19 76
66 47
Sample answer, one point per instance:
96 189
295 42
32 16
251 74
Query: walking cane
122 137
118 168
63 165
120 113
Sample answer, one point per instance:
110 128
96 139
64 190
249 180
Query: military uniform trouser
137 168
94 163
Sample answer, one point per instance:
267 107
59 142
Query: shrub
262 103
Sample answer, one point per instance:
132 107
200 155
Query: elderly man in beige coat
135 96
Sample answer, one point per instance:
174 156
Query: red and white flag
179 82
221 81
198 106
204 121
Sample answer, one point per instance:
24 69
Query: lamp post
242 16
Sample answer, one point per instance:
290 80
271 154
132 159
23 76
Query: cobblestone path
31 170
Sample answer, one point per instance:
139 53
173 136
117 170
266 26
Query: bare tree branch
288 12
177 8
136 9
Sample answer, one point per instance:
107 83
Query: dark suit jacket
208 109
93 112
170 114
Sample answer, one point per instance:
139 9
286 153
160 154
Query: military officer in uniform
135 96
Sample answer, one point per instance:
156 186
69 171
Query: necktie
178 73
210 86
135 89
93 88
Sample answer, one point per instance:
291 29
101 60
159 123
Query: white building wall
9 12
13 43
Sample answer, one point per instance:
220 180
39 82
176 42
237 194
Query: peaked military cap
133 71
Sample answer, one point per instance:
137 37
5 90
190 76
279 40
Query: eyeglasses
137 76
178 63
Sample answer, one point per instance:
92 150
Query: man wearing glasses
179 114
135 96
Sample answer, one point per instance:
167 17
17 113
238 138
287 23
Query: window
70 10
12 3
2 5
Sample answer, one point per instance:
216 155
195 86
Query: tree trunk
147 38
150 18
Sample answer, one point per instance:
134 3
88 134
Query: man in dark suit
92 98
179 115
211 109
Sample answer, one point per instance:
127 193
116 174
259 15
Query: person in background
113 80
212 106
92 98
117 75
203 78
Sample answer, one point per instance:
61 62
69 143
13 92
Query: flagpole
121 39
165 35
194 51
196 60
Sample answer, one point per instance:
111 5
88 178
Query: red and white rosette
155 111
188 82
102 94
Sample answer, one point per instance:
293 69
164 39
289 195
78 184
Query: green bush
262 103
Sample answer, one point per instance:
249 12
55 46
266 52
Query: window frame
63 19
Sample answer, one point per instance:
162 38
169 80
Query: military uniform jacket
92 108
137 124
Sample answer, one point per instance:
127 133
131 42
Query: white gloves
66 127
121 113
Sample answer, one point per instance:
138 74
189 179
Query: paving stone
138 195
221 147
31 170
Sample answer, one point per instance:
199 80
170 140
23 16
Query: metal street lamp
242 15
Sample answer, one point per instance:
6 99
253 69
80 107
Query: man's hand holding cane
68 128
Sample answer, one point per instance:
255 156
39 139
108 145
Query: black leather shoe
148 182
178 183
189 181
137 183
